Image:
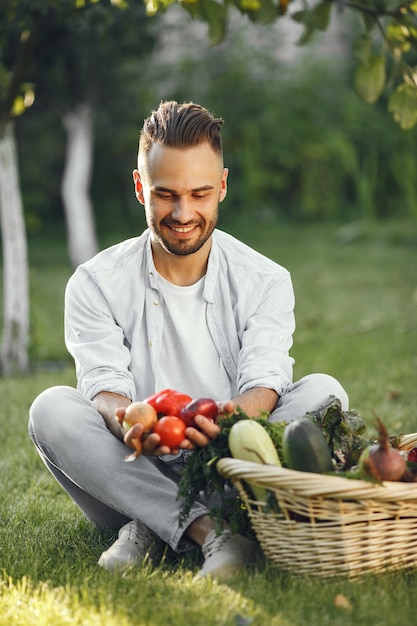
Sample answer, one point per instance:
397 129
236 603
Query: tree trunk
14 348
79 215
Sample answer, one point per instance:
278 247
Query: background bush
298 141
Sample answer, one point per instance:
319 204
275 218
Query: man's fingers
196 437
205 432
226 407
208 427
120 414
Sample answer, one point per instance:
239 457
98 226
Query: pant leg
308 394
96 511
88 461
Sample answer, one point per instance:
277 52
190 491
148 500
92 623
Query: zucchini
305 448
249 441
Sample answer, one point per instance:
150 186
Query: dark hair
181 126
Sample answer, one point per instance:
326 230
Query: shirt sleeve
264 359
95 340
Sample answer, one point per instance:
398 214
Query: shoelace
138 533
215 544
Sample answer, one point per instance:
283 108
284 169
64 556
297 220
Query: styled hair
181 126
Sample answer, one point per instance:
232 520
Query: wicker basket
330 525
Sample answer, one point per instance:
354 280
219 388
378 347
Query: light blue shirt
114 318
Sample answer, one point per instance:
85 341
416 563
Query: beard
183 247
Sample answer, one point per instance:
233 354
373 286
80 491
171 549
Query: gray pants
88 460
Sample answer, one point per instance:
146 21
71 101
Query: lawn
356 293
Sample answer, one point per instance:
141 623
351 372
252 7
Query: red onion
381 460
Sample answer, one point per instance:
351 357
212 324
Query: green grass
356 292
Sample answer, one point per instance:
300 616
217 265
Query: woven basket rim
309 484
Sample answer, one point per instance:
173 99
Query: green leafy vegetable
200 477
344 432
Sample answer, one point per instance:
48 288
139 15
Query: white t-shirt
189 361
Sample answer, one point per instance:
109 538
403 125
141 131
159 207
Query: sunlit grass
22 603
356 318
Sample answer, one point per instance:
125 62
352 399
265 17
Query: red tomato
202 406
171 429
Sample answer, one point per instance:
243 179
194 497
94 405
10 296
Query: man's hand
150 444
207 429
107 403
195 437
227 407
112 407
199 437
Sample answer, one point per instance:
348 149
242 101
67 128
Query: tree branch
24 57
371 11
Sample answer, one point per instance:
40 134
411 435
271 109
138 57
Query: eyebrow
167 190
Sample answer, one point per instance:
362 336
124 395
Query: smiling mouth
182 229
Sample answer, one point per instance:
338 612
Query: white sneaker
133 544
227 554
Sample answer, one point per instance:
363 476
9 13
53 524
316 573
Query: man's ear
138 186
223 185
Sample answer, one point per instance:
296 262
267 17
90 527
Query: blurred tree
18 35
78 63
25 38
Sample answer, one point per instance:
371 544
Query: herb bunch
199 475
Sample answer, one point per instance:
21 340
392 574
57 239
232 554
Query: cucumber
305 448
249 441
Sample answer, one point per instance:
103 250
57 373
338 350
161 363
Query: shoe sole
108 562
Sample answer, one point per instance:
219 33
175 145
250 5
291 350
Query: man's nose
182 210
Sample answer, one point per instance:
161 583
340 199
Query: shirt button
150 344
156 302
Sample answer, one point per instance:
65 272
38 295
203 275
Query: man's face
181 191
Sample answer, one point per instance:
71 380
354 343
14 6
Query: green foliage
370 78
214 13
315 18
298 141
345 432
199 474
403 105
301 145
98 56
392 23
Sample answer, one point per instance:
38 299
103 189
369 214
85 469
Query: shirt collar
213 267
211 274
150 266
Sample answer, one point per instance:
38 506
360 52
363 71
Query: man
183 306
